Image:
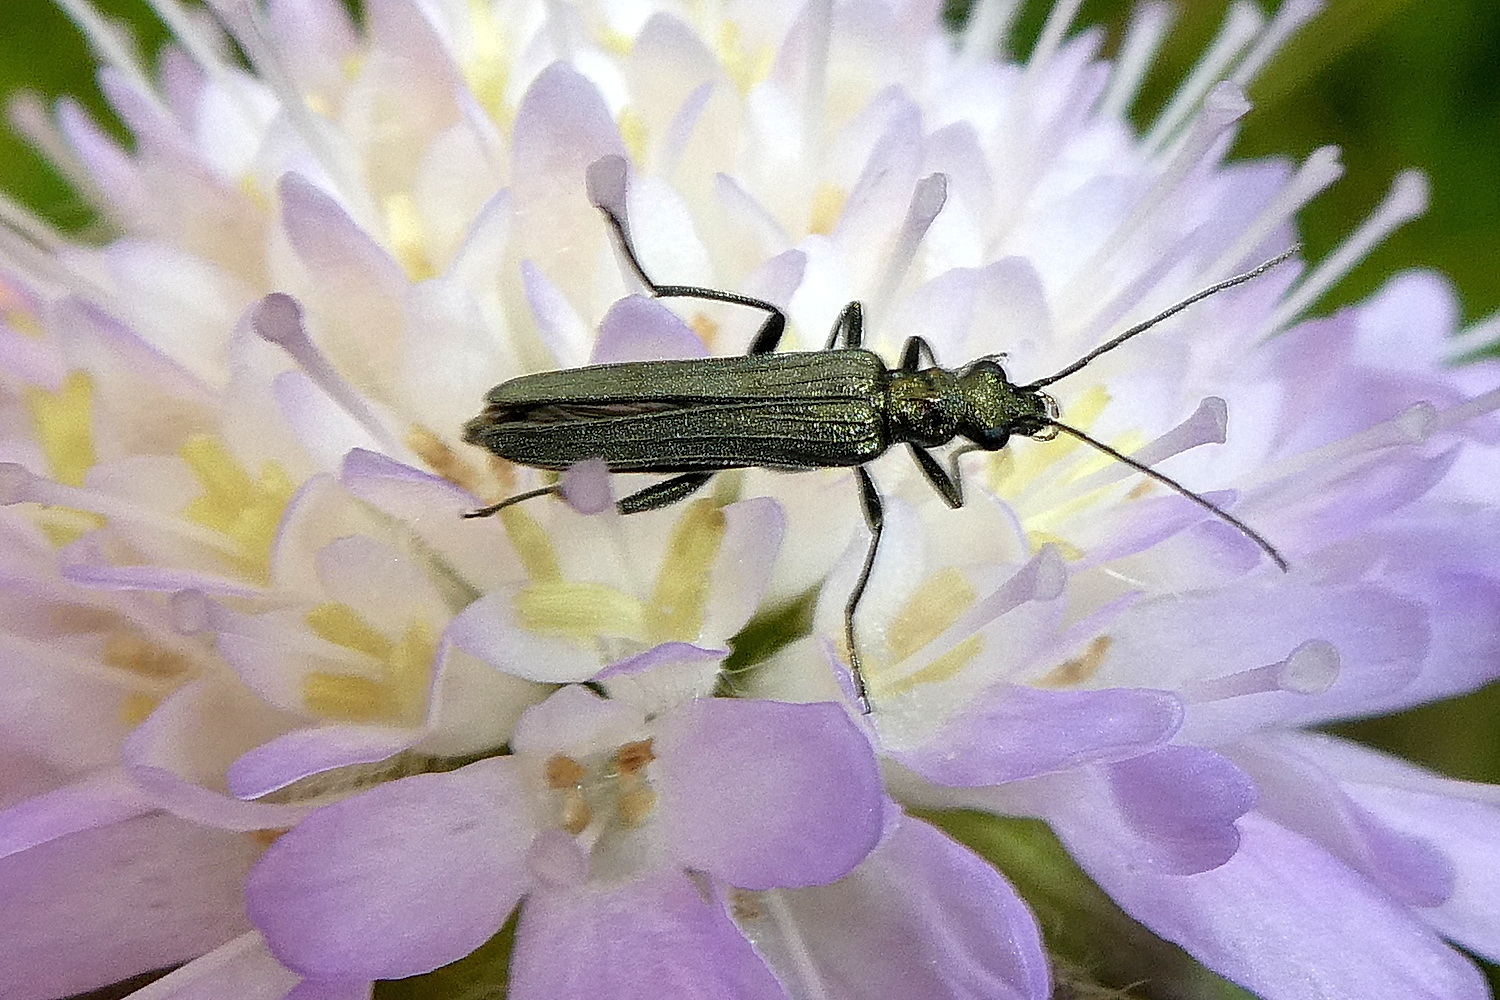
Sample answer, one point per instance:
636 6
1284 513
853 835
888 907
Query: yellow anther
533 546
745 68
398 692
681 595
319 105
583 611
635 805
486 69
616 41
136 707
408 236
935 605
943 668
246 509
563 771
441 459
64 426
706 329
827 206
634 132
576 812
632 758
1080 669
346 698
340 624
131 652
745 905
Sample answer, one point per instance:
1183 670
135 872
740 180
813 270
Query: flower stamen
1309 669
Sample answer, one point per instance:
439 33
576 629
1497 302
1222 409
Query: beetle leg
948 484
766 338
851 322
496 508
875 517
911 355
664 493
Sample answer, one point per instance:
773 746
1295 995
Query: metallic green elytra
838 407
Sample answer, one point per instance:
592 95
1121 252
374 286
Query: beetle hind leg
664 493
766 338
496 508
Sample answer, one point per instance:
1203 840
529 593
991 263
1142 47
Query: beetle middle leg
911 355
766 338
869 498
948 483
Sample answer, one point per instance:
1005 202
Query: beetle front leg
948 484
664 493
875 517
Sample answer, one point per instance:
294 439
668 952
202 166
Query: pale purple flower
598 817
241 606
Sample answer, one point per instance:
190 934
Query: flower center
589 612
613 793
247 509
395 690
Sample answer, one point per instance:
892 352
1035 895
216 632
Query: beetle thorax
925 408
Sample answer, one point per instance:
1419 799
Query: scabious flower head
276 713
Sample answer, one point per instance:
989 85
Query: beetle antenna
1238 279
1173 484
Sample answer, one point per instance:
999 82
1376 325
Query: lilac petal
1460 819
1183 803
578 722
385 587
178 756
132 372
160 579
310 989
86 896
1018 732
765 794
324 428
1290 922
489 630
644 940
398 880
1173 811
1301 796
934 920
335 246
243 969
558 325
95 800
562 126
316 38
640 329
108 166
430 506
753 531
663 677
305 752
1172 643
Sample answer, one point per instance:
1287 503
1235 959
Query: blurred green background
1395 83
